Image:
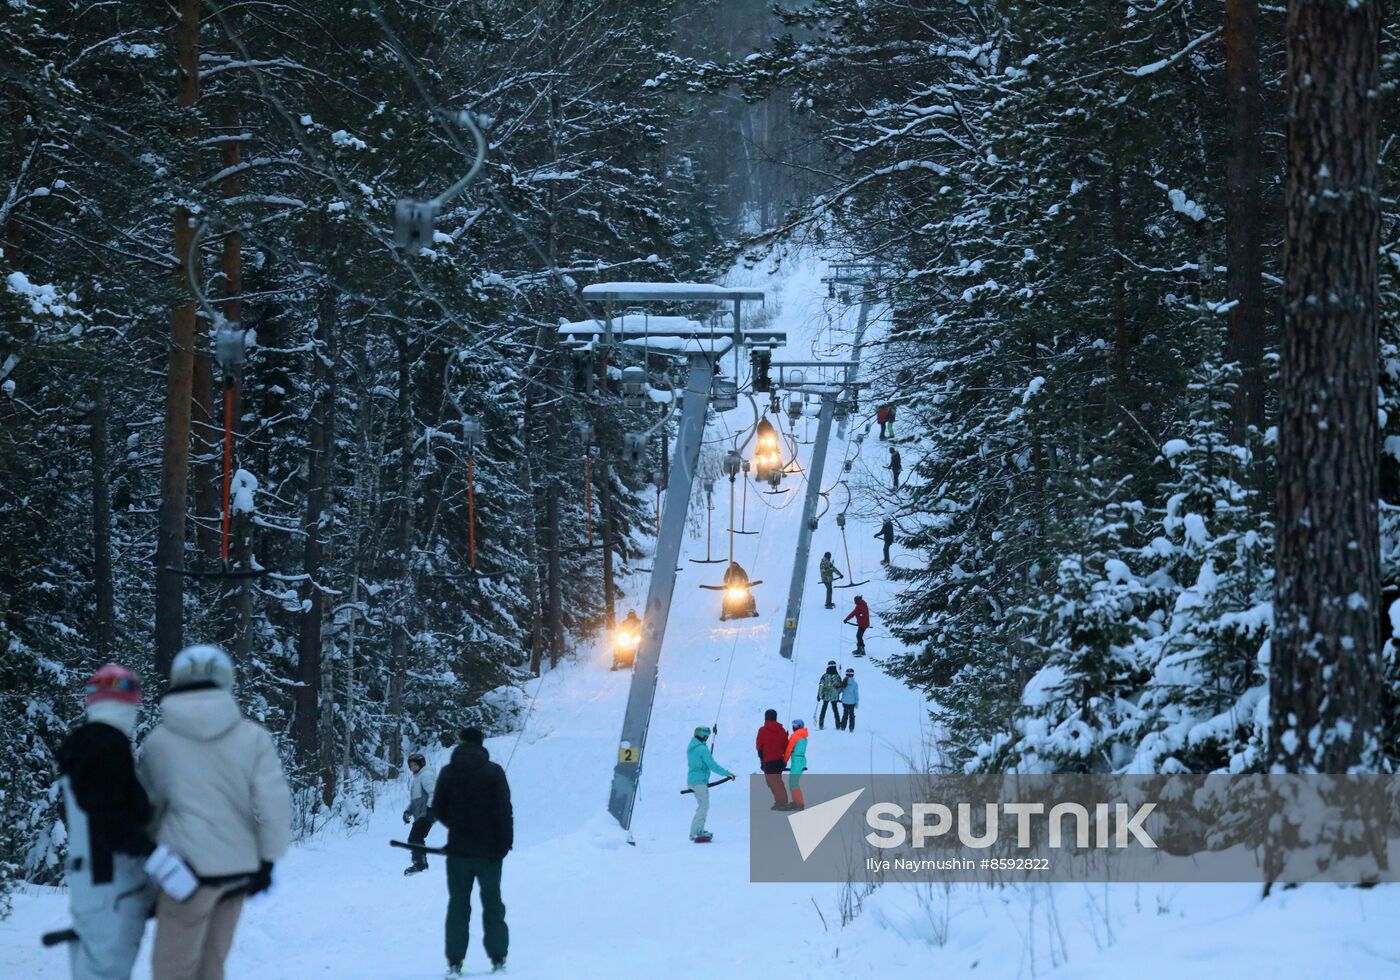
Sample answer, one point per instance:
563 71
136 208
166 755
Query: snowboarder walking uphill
886 534
772 751
829 573
895 465
221 804
697 780
420 800
472 801
106 811
796 756
850 698
829 694
861 614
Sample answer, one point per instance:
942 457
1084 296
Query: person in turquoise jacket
797 763
850 698
702 763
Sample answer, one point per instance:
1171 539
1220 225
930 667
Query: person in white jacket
221 803
417 813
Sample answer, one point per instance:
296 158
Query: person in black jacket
886 534
106 811
472 801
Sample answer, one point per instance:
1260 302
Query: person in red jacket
772 749
861 614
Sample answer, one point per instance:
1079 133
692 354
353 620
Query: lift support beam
663 585
804 533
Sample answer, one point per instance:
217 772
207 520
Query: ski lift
850 582
731 465
795 408
413 220
831 289
634 387
842 411
760 358
709 486
626 643
767 458
724 394
634 448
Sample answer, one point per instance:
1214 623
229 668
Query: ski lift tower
834 383
702 345
866 277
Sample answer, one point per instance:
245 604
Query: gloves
262 880
406 818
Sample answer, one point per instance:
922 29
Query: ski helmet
703 732
418 758
199 663
850 671
798 723
112 683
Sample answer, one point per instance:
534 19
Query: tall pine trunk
1244 220
175 450
104 618
1325 685
403 545
320 471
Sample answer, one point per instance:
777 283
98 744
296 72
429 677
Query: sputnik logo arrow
810 826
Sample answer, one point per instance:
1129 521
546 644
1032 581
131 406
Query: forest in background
1083 218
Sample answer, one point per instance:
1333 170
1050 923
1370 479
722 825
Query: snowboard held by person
829 694
861 614
417 813
829 573
772 749
700 765
472 801
221 804
850 699
796 758
106 811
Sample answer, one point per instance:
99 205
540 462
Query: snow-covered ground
582 902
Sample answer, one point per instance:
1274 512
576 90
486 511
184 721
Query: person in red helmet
106 811
861 614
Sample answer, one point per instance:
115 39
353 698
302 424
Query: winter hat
798 723
703 732
113 683
201 663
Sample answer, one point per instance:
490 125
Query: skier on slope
472 801
850 698
829 694
796 757
772 748
886 534
829 574
895 465
861 614
884 418
222 804
420 799
106 810
697 779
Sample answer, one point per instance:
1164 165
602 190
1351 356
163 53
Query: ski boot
453 970
703 838
413 869
498 966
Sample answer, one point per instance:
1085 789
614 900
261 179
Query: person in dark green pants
472 801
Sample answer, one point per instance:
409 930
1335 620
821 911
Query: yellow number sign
628 753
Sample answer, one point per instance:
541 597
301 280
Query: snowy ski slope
583 903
